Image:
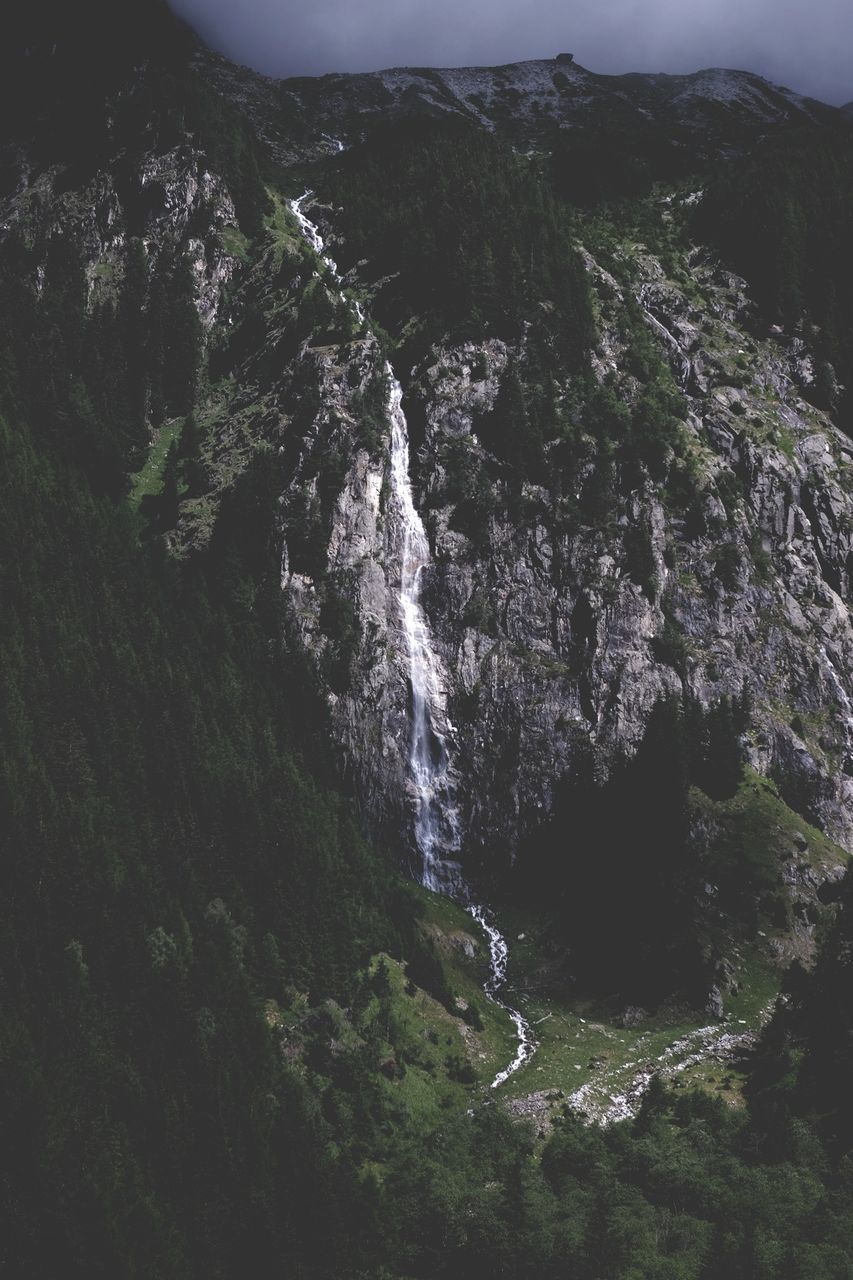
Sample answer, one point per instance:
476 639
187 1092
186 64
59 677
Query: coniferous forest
235 1036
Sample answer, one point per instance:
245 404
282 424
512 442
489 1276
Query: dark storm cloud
807 46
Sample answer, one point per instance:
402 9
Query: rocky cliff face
550 634
172 203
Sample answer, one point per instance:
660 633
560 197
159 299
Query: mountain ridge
527 101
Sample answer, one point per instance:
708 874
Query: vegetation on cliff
232 1039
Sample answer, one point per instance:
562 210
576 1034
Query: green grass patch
755 833
451 927
589 1061
149 479
785 442
280 222
435 1061
581 1044
758 986
425 1047
105 272
235 244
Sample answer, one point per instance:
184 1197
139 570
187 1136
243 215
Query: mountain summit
709 112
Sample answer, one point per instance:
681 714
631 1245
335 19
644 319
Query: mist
806 47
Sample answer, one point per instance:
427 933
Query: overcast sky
806 44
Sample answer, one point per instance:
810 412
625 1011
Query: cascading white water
436 819
498 958
311 233
437 832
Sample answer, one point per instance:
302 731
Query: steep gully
682 361
436 821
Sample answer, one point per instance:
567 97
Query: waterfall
311 233
436 819
437 829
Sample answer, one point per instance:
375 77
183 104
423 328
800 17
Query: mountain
708 112
848 109
502 591
472 527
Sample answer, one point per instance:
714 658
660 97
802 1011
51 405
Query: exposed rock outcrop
547 638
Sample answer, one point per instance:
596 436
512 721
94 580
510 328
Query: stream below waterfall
431 777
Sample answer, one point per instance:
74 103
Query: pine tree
508 430
182 343
723 767
132 327
192 468
155 350
169 501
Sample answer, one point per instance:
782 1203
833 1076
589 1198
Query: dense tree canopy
782 218
479 242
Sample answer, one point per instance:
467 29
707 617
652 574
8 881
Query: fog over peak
806 47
